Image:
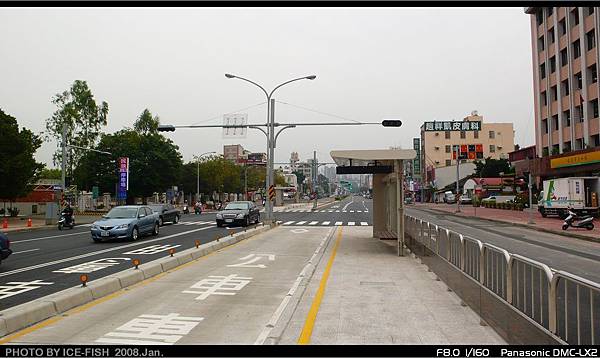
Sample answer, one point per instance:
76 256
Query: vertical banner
417 160
123 178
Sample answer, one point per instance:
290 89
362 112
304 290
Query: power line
317 111
221 115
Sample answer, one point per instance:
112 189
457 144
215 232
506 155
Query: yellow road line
314 308
108 297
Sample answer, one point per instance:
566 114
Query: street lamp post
270 133
198 173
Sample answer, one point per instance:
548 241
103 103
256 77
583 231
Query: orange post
29 222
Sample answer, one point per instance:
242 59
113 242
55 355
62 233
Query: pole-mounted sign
123 178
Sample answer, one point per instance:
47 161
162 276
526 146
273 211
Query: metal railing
564 304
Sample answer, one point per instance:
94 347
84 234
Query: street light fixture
198 177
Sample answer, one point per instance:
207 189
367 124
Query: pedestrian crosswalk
325 223
316 211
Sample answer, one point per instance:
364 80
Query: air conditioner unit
437 134
499 147
437 148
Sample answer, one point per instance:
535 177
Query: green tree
491 168
83 118
53 173
300 176
146 124
18 168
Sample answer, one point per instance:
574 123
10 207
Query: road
558 252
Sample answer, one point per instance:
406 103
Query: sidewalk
373 296
549 224
20 223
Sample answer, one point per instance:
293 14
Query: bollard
231 232
84 279
171 252
136 263
197 243
218 237
5 223
29 222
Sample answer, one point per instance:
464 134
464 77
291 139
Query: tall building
565 78
234 152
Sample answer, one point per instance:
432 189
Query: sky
413 64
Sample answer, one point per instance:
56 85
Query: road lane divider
48 237
28 317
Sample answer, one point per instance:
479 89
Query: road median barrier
27 314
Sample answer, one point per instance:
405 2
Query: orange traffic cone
5 223
29 222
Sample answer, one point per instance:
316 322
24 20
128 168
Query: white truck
581 193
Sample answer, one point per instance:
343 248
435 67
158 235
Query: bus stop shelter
386 166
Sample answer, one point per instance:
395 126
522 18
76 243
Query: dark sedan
5 250
238 212
166 212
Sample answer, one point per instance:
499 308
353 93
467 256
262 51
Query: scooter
198 210
63 222
186 210
584 222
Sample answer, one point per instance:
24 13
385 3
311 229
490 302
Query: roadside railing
565 305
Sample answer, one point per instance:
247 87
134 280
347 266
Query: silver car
128 221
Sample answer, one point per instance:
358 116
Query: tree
146 124
492 168
18 168
83 118
300 176
50 174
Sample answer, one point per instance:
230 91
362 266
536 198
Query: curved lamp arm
247 80
312 77
260 129
279 132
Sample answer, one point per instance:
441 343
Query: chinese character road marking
215 285
14 288
150 250
152 329
93 265
257 257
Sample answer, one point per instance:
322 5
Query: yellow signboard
573 160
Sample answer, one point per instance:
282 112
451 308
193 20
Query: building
565 78
234 152
257 158
565 81
439 147
294 159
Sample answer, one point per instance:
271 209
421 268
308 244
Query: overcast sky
415 64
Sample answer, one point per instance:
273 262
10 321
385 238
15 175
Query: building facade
565 78
234 152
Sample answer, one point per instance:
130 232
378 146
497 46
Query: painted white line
344 211
50 237
330 211
350 223
72 258
337 211
359 211
288 222
338 223
325 222
351 211
20 252
346 206
364 223
313 223
300 222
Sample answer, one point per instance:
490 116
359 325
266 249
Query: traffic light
391 123
166 128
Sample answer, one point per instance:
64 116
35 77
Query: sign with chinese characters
123 178
468 151
573 160
452 126
417 160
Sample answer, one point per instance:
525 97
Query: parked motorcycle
66 221
584 222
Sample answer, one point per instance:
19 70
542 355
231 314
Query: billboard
452 126
468 151
417 160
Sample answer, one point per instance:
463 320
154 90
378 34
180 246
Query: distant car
408 200
5 250
128 221
449 197
166 212
238 212
466 200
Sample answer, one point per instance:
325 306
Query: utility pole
530 185
271 150
457 178
64 158
315 176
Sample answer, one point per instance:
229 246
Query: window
543 70
590 39
545 152
593 73
463 135
590 10
545 125
539 17
492 135
476 134
448 162
567 118
550 11
566 146
553 94
544 98
448 149
541 43
447 134
565 87
492 148
564 57
576 49
562 27
555 121
578 80
579 144
596 140
575 17
595 108
579 113
552 64
551 35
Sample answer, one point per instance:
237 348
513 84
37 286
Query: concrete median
104 286
70 298
25 315
130 277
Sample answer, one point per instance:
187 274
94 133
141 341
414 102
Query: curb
27 314
324 205
540 229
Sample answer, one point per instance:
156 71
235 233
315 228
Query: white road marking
289 222
364 223
219 285
14 288
346 206
152 329
313 223
72 258
92 266
151 250
50 237
330 211
252 259
338 223
300 222
359 211
351 211
298 231
337 211
344 211
350 223
20 252
325 222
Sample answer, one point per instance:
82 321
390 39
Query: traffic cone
5 223
29 222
